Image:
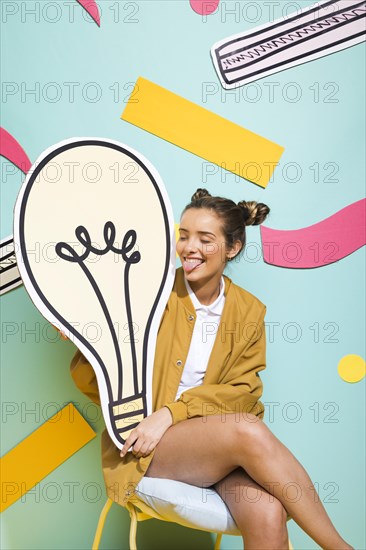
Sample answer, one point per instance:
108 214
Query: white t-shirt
203 338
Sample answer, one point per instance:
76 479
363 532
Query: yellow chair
138 511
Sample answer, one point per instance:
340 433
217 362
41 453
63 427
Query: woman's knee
251 429
271 516
260 515
276 512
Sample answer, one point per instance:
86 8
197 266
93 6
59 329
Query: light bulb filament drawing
66 252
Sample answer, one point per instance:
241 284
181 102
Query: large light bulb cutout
95 245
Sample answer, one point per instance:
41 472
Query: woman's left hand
148 433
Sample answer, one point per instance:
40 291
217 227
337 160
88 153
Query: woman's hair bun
254 213
200 194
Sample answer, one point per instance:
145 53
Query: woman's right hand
63 335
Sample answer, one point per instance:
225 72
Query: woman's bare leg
203 450
263 523
261 518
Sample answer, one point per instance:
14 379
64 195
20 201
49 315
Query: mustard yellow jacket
231 383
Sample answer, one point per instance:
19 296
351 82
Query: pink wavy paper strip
320 244
91 7
10 149
204 7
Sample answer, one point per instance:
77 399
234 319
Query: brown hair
234 216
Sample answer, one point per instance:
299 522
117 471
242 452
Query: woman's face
201 246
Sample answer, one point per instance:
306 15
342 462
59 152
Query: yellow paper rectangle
41 452
202 132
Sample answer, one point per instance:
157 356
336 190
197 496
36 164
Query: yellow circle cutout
352 368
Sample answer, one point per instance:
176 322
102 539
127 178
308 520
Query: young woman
207 427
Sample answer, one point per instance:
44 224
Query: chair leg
102 518
218 541
133 528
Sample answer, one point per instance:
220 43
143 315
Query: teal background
316 414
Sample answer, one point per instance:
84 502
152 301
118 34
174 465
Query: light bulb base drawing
126 415
108 257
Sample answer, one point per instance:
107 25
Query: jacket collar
183 294
230 303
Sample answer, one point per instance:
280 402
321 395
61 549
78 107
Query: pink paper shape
91 7
320 244
10 149
204 7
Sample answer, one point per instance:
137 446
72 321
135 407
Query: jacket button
179 363
190 318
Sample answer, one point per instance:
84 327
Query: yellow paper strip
41 452
202 132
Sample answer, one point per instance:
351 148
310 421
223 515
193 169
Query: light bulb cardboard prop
95 244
